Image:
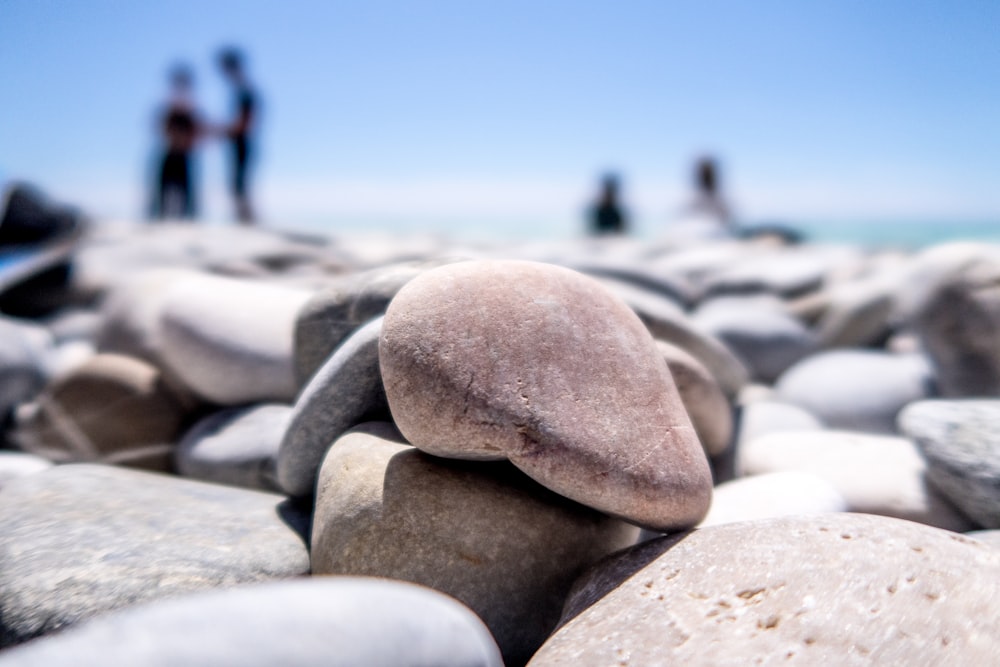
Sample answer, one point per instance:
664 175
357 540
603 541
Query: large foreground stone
482 532
960 441
542 366
832 589
338 622
79 540
875 474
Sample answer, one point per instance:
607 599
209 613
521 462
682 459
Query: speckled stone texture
543 366
844 589
80 540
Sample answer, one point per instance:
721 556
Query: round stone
331 621
961 444
709 409
346 391
959 326
666 321
875 474
772 495
858 390
237 446
759 330
112 409
819 590
482 532
541 365
230 341
79 540
336 311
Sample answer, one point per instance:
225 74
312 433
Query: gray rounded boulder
534 363
959 326
960 440
830 589
482 532
80 540
346 391
860 390
231 341
334 312
332 621
237 446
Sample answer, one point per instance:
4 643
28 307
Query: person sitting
606 215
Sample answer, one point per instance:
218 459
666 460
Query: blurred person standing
179 129
708 214
606 215
240 131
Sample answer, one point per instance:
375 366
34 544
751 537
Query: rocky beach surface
230 445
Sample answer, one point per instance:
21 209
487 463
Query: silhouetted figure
240 131
708 202
606 216
179 128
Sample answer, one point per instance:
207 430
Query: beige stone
111 409
836 589
709 409
482 532
541 365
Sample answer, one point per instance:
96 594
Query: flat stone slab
79 540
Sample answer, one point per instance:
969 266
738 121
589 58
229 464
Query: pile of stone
234 446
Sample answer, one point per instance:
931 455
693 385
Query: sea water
899 233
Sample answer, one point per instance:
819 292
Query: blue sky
495 115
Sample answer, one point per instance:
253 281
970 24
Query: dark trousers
174 196
240 187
